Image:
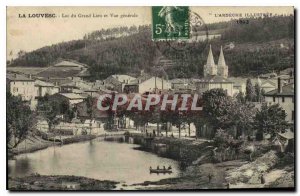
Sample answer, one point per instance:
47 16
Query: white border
4 3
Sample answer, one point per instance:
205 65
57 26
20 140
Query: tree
221 141
262 95
258 93
177 119
108 102
240 97
19 120
89 108
64 106
49 108
250 94
242 115
66 110
217 108
270 120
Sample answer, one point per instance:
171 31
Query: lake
93 159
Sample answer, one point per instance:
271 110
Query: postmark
171 44
171 22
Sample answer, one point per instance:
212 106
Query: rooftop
66 63
287 90
122 78
60 81
72 95
85 86
18 77
214 79
140 79
84 73
43 84
59 72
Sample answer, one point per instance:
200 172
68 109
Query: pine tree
249 91
258 95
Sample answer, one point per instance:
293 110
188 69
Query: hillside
259 47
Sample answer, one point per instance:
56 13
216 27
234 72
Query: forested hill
261 46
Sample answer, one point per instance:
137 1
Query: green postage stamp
170 22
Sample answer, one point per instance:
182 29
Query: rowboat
158 171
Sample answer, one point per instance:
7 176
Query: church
215 75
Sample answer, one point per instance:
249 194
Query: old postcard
150 98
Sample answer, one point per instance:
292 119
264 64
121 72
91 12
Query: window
273 99
282 99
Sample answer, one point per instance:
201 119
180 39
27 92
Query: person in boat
164 167
262 178
209 177
169 168
150 168
157 167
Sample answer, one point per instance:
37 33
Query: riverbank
198 163
195 177
61 182
236 174
34 143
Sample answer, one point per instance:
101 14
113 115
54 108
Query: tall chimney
279 85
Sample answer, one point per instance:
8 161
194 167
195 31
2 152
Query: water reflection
94 159
22 165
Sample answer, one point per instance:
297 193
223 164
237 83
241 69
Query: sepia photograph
161 98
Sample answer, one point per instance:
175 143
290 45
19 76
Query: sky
32 33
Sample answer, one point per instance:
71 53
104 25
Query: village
66 83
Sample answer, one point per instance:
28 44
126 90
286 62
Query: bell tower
210 68
222 67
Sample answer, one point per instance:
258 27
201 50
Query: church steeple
210 59
210 68
222 67
221 61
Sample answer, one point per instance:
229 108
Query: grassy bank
35 143
61 182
